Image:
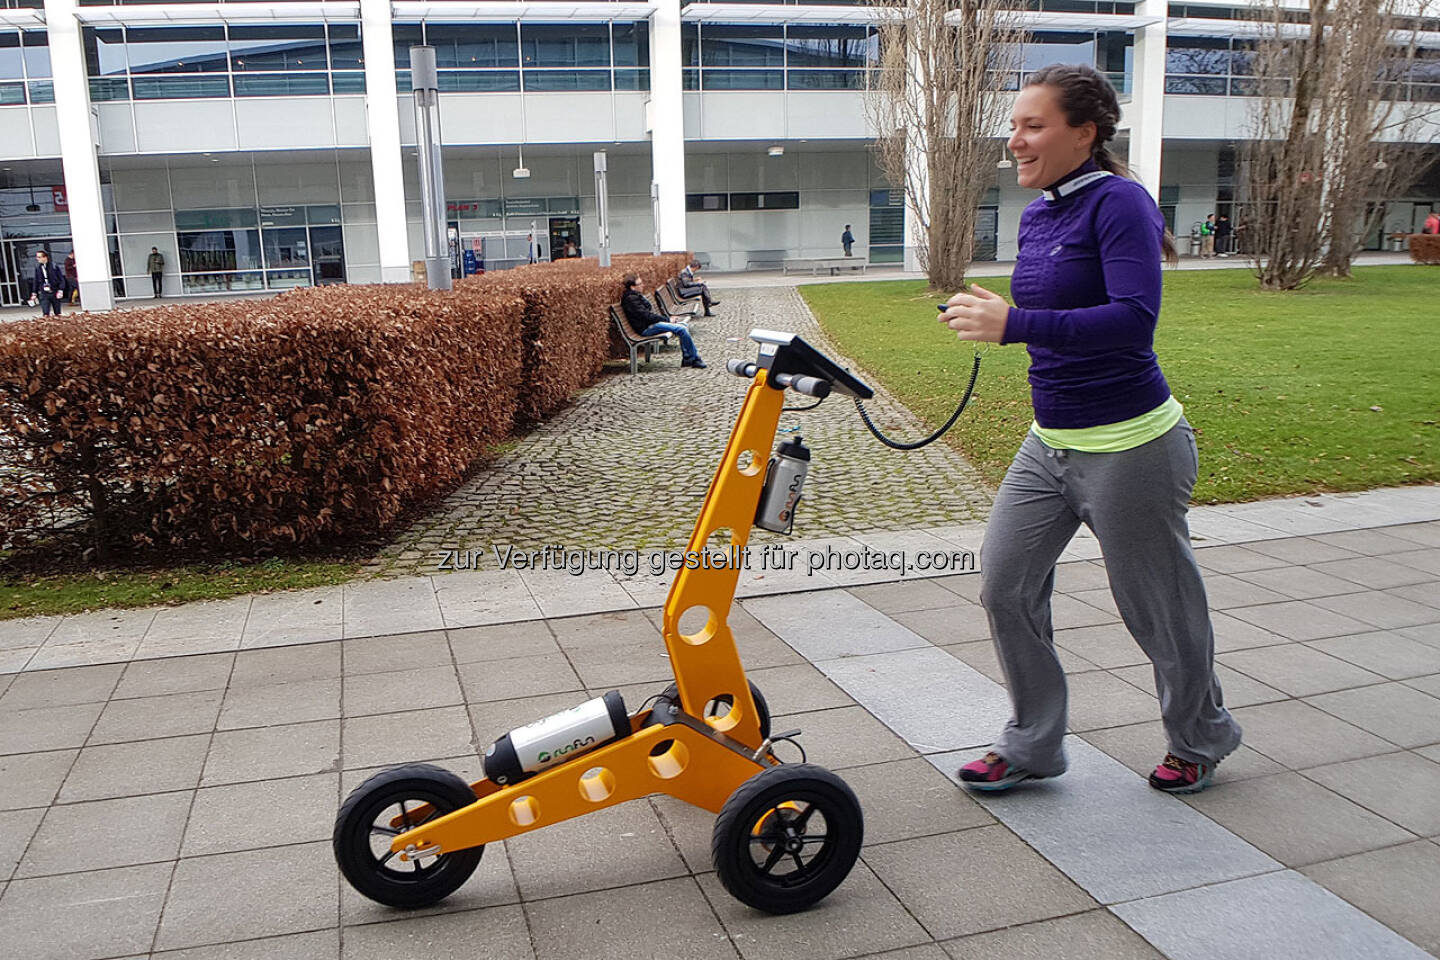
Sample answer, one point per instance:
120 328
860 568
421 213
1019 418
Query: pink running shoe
991 774
1175 775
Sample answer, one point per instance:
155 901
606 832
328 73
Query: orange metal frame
703 763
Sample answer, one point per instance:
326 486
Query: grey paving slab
960 622
1067 612
559 594
110 913
518 678
1276 915
418 689
981 655
928 951
622 662
154 678
861 916
905 597
1210 526
133 769
108 625
391 652
1384 884
1394 711
1080 576
13 662
317 945
1429 634
317 661
950 885
266 753
500 716
1238 689
501 642
1426 560
1291 516
58 656
16 831
54 688
267 813
378 607
758 583
301 616
1235 559
27 632
691 830
502 930
1101 823
1093 935
482 597
1224 591
677 922
46 728
401 737
1298 735
1302 550
1299 620
1425 534
1388 654
1380 609
965 585
933 700
1098 700
797 688
33 779
1233 634
1141 746
492 885
1104 645
1427 593
1402 787
235 896
611 847
910 798
107 833
846 737
1377 573
146 718
829 624
1369 542
1297 669
1278 814
207 627
273 704
1296 582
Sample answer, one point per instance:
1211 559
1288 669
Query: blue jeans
687 345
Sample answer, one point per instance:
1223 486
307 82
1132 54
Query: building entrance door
17 265
564 232
327 255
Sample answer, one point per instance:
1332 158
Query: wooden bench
669 303
766 258
816 264
633 340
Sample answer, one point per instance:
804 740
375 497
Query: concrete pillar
383 113
77 155
1146 109
667 123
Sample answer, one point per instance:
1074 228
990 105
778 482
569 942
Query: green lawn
1334 387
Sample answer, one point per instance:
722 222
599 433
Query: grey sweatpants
1135 502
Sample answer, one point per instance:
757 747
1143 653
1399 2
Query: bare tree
938 109
1324 137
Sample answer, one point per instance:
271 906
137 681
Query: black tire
767 847
672 693
362 837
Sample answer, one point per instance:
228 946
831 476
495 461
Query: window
469 46
777 200
565 46
176 50
732 45
706 202
816 45
1197 55
1044 48
277 48
743 79
632 44
476 81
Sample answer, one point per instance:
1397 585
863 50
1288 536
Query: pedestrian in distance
155 265
1109 446
72 279
1432 223
47 284
1223 236
1207 237
847 240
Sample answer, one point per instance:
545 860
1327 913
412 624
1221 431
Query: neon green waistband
1114 437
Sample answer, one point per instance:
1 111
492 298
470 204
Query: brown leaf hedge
1424 248
308 419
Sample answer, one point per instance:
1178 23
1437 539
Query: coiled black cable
895 445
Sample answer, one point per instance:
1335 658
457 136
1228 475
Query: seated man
648 323
690 285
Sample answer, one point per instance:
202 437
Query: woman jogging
1109 447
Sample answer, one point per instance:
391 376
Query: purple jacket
1087 292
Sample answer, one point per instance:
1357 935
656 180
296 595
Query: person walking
1109 446
72 279
1432 223
847 240
1207 237
1222 236
648 323
48 284
156 267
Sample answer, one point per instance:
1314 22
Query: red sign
57 194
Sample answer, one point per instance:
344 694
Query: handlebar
810 386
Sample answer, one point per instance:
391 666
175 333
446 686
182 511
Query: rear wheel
387 805
721 706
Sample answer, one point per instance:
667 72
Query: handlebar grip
810 386
742 368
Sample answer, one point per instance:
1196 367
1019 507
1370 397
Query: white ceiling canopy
555 10
25 19
152 13
784 13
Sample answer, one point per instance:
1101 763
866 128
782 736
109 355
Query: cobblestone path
628 464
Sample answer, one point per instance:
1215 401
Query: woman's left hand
978 315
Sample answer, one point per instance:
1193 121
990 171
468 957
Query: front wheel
381 809
787 838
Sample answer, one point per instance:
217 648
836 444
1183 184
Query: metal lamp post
425 84
602 206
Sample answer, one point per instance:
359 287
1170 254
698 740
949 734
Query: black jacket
639 312
48 273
